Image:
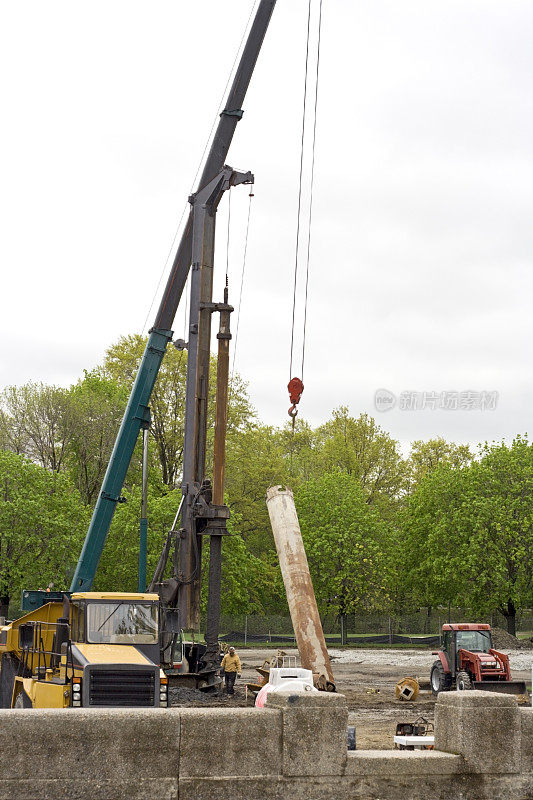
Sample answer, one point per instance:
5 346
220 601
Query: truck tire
440 681
463 681
8 671
22 700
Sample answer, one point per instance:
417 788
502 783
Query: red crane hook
295 387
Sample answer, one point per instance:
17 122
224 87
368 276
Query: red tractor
468 661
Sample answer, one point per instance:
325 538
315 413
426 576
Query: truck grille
123 688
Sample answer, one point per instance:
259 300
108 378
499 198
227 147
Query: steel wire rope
228 236
313 146
200 164
240 292
298 216
309 221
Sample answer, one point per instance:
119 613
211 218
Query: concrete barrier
294 748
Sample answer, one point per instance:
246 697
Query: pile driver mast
202 508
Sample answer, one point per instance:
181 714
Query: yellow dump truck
92 649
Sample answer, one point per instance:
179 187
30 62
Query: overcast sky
422 244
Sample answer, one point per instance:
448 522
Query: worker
231 666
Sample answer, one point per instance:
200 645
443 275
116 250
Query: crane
202 509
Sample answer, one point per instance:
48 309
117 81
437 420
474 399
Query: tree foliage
497 525
36 421
96 408
468 533
345 542
42 524
425 456
441 526
167 403
363 450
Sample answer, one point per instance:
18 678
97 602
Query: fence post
245 629
390 630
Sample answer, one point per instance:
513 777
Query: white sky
421 244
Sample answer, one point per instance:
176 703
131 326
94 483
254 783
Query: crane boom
137 413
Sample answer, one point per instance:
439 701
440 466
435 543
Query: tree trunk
510 616
4 605
427 621
344 630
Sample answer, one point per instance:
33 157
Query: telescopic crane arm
137 413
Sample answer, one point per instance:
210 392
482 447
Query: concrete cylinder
298 585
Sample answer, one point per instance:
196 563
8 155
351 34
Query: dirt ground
367 678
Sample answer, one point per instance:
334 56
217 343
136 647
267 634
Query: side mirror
26 636
172 620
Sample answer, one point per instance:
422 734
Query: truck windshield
122 622
474 641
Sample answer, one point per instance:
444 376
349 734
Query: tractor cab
467 660
474 638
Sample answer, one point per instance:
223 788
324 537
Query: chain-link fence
421 627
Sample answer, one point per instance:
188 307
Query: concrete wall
294 748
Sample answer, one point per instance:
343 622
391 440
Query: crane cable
312 180
295 385
251 195
228 237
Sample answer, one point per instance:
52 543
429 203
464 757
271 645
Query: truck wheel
22 700
440 680
9 668
463 681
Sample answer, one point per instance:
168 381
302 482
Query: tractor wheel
440 680
22 700
463 681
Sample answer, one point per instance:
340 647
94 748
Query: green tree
425 456
246 579
362 449
167 404
496 519
96 406
301 450
42 522
250 584
468 534
36 421
346 542
119 566
256 459
429 550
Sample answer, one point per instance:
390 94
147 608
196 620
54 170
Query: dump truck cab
467 660
116 619
93 649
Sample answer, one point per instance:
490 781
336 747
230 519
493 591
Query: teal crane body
136 415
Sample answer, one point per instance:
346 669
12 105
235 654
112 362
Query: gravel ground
415 659
367 678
